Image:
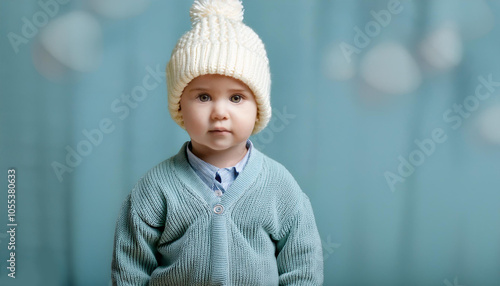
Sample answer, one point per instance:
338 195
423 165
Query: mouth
219 130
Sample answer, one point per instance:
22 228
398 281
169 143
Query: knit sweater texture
173 230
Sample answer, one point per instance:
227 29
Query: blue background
341 123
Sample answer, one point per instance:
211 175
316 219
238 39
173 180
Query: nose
219 110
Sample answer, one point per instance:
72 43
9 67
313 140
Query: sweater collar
208 171
197 187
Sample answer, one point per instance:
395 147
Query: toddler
219 212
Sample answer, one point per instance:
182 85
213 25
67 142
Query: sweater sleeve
299 253
134 254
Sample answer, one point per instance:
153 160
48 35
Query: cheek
246 117
186 114
194 121
252 112
189 118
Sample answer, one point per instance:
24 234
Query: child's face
219 112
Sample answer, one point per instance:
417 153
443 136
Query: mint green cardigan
173 230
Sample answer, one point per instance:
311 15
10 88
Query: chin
220 147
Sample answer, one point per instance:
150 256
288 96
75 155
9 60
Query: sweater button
218 209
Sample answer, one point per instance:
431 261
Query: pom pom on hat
220 43
230 9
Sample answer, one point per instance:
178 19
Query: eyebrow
205 89
238 90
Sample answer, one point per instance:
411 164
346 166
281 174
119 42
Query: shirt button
218 193
218 209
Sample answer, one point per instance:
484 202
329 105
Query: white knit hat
219 43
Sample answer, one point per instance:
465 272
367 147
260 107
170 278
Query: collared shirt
217 179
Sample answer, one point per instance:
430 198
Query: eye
236 98
204 97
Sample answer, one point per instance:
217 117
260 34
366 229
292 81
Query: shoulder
289 202
148 197
282 184
156 176
278 174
